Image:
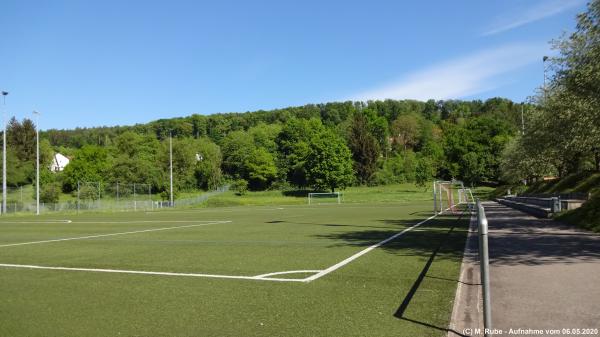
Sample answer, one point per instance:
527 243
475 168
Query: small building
59 162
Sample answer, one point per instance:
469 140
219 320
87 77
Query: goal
325 198
447 195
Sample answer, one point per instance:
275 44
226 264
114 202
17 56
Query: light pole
522 119
544 59
171 167
4 93
37 162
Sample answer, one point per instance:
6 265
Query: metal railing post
484 262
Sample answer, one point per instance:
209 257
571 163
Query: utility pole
37 163
4 93
522 120
171 167
544 59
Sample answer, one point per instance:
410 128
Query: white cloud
540 11
462 77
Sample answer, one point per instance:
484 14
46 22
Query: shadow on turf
515 239
421 241
446 240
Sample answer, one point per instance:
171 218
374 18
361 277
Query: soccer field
378 269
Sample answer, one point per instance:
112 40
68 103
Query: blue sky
85 63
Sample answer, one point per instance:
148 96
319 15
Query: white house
59 162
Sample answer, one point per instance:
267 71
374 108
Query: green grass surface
359 299
359 194
586 217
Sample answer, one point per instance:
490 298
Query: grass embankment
587 216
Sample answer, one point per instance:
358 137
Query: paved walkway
543 275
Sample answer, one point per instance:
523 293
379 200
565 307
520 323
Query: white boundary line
141 272
36 222
363 252
151 221
266 276
112 234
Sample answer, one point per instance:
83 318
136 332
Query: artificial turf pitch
384 292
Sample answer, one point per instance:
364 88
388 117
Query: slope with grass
587 216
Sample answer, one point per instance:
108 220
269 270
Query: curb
467 313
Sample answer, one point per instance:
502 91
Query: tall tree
364 147
406 130
329 162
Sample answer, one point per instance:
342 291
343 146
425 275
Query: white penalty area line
264 277
205 223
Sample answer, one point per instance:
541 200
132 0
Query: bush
240 186
50 193
165 195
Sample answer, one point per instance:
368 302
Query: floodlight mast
171 168
37 163
4 93
544 59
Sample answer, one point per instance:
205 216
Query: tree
364 147
518 164
21 138
208 168
91 163
329 162
406 131
261 169
425 171
184 164
293 147
573 96
237 147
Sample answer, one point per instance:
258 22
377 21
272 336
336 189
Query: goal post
447 195
322 198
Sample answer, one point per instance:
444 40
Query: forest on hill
334 145
322 146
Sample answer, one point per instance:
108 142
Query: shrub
240 186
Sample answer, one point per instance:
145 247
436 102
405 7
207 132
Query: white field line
286 272
36 222
363 252
112 234
153 221
141 272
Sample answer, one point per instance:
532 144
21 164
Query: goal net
448 195
325 198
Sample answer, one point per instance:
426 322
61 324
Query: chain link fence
94 196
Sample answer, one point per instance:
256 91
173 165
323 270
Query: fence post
484 267
555 205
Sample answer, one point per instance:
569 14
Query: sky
105 63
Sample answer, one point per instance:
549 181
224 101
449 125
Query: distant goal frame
338 197
447 188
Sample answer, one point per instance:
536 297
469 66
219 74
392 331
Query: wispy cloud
542 10
462 77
